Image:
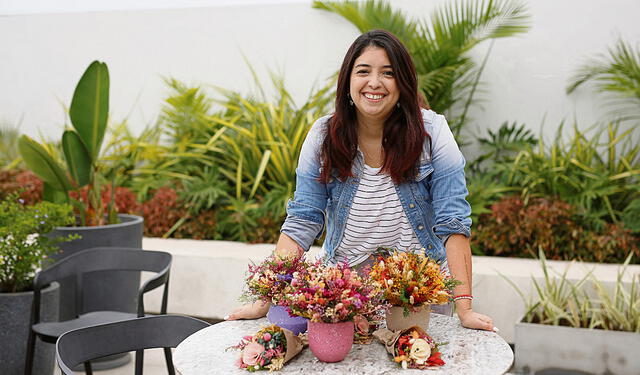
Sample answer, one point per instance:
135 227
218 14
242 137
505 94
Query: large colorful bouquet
332 294
411 279
269 349
411 348
271 279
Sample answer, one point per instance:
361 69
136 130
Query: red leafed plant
516 229
26 183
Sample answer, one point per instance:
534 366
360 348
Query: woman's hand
254 310
474 320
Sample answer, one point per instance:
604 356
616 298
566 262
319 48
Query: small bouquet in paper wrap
411 348
269 349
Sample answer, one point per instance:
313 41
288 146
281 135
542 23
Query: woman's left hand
474 320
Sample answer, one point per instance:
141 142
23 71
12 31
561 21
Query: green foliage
23 241
560 301
440 46
617 75
599 177
81 147
9 153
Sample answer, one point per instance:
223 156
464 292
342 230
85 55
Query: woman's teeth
372 96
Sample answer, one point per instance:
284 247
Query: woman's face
373 86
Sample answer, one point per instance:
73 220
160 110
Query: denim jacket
434 201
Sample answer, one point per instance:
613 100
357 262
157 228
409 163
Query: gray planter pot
115 291
592 351
99 286
15 311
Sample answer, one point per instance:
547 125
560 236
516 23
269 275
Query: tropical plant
616 74
81 146
560 301
23 241
440 46
9 154
598 177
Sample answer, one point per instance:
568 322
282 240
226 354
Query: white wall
45 49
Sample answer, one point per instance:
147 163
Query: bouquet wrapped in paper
411 348
269 349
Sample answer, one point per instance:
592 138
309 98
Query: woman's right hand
254 310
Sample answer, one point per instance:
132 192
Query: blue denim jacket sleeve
306 211
447 184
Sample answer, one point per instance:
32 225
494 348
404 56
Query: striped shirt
376 219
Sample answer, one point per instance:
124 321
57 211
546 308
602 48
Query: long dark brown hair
404 133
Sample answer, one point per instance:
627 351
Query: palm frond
370 15
616 74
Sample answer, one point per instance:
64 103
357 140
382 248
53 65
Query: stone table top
467 352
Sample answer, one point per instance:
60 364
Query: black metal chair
160 331
91 260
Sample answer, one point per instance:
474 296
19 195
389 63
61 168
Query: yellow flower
420 351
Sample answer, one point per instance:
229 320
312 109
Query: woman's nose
374 82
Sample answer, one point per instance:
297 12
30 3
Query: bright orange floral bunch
411 280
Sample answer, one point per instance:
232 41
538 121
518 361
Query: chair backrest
103 259
161 331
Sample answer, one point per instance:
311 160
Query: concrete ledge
207 278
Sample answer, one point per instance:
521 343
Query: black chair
91 260
160 331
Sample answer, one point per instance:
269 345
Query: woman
381 171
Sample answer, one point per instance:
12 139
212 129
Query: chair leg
87 368
139 361
31 347
167 356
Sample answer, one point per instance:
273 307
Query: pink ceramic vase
330 342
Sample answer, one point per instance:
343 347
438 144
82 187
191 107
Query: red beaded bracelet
462 296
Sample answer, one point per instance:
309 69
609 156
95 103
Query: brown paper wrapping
389 337
294 344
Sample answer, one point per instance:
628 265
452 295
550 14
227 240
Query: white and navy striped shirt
376 219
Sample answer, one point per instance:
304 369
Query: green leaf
78 159
90 107
42 164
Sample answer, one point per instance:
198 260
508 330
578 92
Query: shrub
516 229
26 183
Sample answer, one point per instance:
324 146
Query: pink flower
251 353
361 324
266 337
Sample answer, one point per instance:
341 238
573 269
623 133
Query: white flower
404 365
411 300
390 282
31 239
420 351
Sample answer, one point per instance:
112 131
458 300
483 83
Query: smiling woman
381 172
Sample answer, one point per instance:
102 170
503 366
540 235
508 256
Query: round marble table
467 352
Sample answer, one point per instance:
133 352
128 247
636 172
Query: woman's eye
388 73
362 71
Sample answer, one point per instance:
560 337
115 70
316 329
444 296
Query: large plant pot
279 316
330 342
593 351
109 290
397 321
15 312
99 287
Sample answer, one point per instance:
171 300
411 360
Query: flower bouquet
269 281
411 348
411 282
331 297
269 349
